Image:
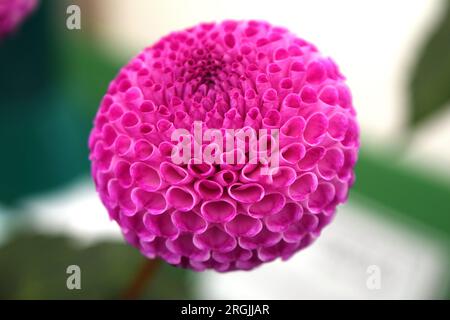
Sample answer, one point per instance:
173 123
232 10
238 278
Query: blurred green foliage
409 193
34 267
430 82
51 82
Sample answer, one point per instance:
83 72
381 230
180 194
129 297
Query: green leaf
34 267
431 76
409 192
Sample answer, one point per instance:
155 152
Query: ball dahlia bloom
225 216
12 13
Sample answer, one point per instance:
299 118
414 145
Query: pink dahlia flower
13 12
226 215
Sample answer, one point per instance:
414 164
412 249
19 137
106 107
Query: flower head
235 209
12 13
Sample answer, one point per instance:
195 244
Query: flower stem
141 279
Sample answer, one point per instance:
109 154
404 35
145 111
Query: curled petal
283 177
331 163
208 189
181 198
225 177
189 221
246 193
292 153
270 204
183 245
215 239
315 129
174 174
243 226
146 177
160 225
152 202
280 221
303 186
218 211
264 238
321 197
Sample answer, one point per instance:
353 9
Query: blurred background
396 56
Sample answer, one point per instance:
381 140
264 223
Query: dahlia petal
174 174
152 202
331 163
181 198
189 221
215 239
283 177
183 245
292 129
146 177
246 193
311 158
303 186
238 254
225 177
208 189
218 211
337 127
271 204
160 225
264 238
243 226
321 197
292 153
288 215
316 127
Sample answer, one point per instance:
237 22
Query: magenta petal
208 189
153 202
283 177
145 150
174 174
146 177
181 198
315 129
225 177
246 193
280 221
189 221
218 211
331 163
243 226
293 128
311 158
282 249
238 254
270 204
215 239
321 197
338 126
264 238
160 225
292 153
303 186
201 170
184 246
